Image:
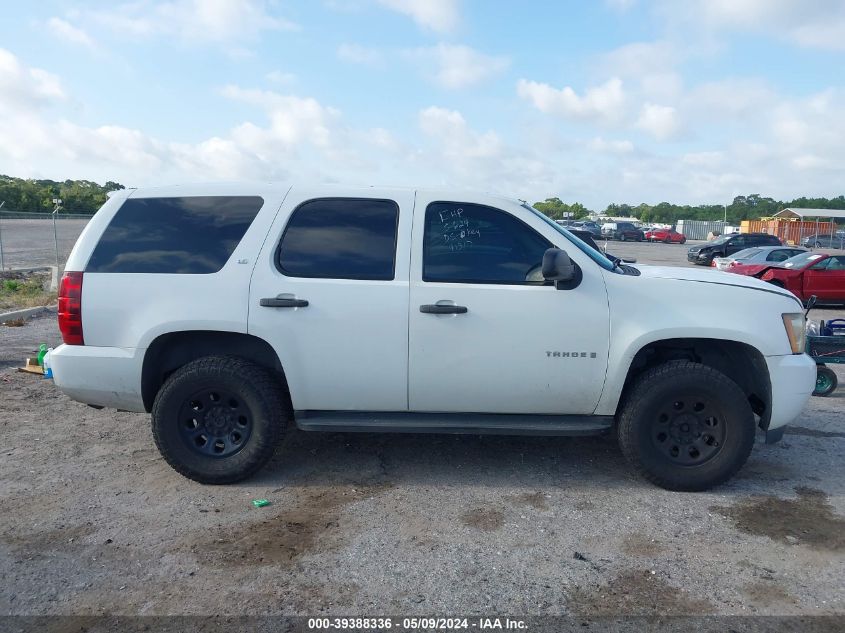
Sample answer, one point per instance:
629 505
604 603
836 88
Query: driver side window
473 243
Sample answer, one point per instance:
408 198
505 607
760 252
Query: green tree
36 196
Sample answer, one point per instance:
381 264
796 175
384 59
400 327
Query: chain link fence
31 240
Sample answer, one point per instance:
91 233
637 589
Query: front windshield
719 240
588 250
800 260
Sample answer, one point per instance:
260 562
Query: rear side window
192 235
341 238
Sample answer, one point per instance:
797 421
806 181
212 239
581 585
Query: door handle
283 302
436 308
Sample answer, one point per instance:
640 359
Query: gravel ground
92 521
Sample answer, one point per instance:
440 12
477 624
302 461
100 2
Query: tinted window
837 263
174 235
341 238
472 243
779 256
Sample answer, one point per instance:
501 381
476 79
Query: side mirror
557 267
811 302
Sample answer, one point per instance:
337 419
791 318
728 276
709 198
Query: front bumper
102 376
793 379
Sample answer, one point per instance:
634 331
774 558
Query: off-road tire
254 389
691 384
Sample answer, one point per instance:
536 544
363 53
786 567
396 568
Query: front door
487 334
330 294
826 279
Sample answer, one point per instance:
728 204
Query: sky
598 102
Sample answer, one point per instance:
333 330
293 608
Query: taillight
70 308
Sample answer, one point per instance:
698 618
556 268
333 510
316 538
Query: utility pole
2 265
58 203
726 213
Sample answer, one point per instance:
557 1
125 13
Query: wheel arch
170 351
741 362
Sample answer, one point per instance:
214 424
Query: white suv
233 311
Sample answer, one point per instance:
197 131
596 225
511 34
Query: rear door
736 244
330 294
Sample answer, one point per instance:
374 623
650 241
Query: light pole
2 265
726 214
58 203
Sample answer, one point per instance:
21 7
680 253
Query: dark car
622 231
821 240
587 237
728 245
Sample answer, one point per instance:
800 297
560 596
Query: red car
668 236
804 275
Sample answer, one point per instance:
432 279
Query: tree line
750 207
85 197
36 196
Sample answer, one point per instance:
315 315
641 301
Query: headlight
795 331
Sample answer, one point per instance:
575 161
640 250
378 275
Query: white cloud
732 97
460 156
441 16
280 78
641 58
23 86
604 103
454 66
358 54
459 142
658 120
216 21
598 144
812 24
64 30
293 120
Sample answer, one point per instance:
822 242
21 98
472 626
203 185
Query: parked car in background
622 231
589 225
587 238
728 245
669 236
820 240
809 274
759 256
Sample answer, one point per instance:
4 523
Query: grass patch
25 290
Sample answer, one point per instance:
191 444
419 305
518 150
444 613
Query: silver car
758 255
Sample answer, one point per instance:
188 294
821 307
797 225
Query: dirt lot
92 521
